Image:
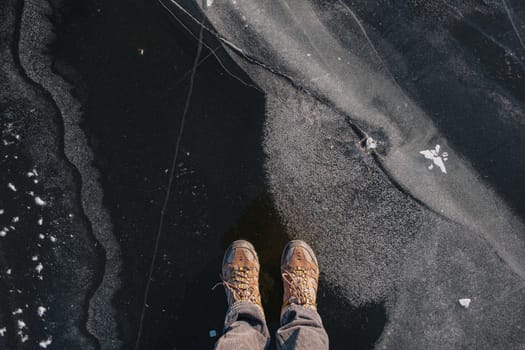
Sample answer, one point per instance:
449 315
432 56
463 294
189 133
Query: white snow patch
23 337
41 236
1 211
39 267
40 221
464 302
34 258
12 187
21 324
3 233
17 311
437 159
16 219
371 144
53 239
39 201
9 271
2 331
45 343
41 310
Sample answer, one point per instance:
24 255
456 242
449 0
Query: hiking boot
240 273
300 273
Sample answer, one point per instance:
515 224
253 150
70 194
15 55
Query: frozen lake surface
139 138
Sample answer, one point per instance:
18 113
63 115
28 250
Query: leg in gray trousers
245 328
301 329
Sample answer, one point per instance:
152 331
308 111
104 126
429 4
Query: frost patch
41 311
437 159
39 267
39 201
464 302
45 343
23 337
371 144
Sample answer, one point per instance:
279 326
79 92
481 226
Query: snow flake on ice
39 267
45 343
437 159
464 302
41 310
39 201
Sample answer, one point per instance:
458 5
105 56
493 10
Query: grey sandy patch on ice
376 243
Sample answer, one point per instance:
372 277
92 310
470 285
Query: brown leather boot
240 273
300 273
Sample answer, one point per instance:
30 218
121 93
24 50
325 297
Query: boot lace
300 291
240 285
